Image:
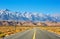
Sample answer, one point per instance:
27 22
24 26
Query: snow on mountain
27 16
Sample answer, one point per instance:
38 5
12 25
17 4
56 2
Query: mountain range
28 16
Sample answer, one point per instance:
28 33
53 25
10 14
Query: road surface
34 34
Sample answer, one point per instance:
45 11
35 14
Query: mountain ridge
27 16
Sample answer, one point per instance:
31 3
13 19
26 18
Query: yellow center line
34 34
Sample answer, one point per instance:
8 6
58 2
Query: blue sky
41 6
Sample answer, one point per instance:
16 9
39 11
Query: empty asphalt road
34 34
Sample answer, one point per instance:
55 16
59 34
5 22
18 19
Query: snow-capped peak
28 16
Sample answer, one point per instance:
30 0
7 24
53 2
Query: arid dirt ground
9 30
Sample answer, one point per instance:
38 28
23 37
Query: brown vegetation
52 29
9 30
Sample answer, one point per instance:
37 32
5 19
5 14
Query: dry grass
52 29
8 30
